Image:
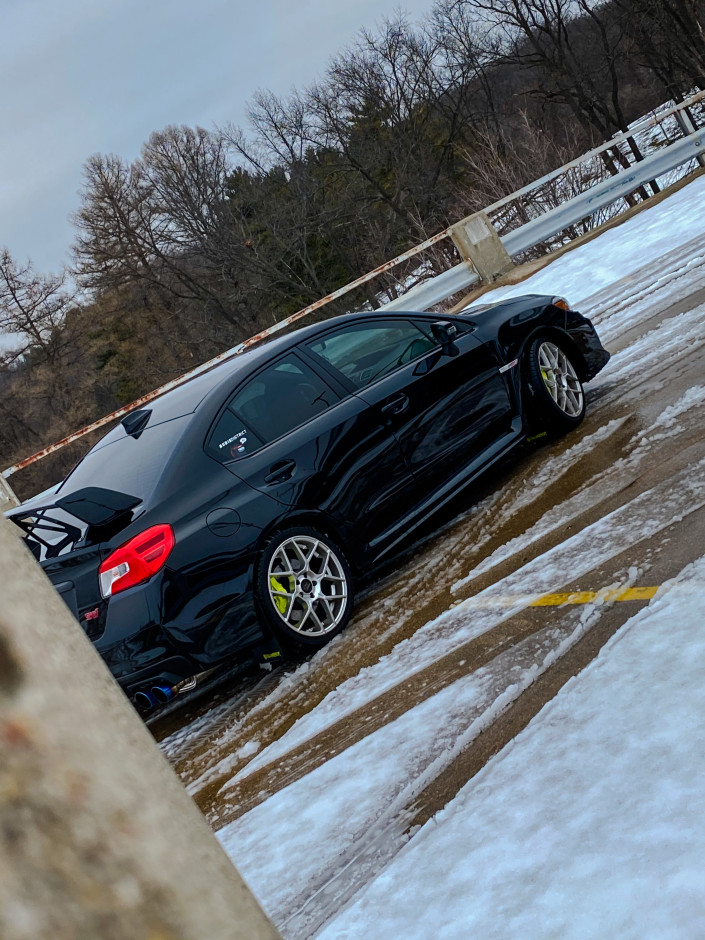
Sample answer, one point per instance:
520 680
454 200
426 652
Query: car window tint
364 352
128 464
232 438
274 402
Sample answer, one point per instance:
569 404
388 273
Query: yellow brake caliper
276 585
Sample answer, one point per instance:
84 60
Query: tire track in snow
211 746
420 762
636 522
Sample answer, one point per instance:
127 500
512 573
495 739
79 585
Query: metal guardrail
462 276
657 117
604 193
7 494
532 233
437 289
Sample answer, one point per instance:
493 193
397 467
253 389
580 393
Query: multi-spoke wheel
304 586
559 401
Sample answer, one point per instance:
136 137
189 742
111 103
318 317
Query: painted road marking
605 596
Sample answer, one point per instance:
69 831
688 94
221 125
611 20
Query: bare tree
572 48
668 39
365 159
471 70
33 308
527 156
378 109
162 220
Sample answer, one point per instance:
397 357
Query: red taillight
137 560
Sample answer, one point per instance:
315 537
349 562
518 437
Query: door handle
395 405
280 471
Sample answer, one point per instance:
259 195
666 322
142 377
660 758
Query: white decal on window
233 438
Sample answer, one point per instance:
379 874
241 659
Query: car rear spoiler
93 505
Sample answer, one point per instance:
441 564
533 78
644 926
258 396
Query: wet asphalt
529 510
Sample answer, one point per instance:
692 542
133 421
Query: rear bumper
169 672
147 640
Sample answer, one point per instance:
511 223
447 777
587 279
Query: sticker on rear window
241 437
238 447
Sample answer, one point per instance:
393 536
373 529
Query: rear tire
304 586
558 400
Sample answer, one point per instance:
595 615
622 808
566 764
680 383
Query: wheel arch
326 526
567 343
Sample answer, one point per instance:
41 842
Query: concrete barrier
98 838
478 242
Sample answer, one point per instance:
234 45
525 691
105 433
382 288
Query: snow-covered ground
616 254
591 822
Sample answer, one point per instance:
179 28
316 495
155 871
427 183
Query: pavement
561 546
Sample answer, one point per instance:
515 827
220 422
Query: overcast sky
84 76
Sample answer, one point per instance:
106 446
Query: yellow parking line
606 596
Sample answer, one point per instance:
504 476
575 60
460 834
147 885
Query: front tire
304 586
558 398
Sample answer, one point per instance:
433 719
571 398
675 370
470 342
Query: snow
323 816
590 824
392 757
619 252
620 474
637 520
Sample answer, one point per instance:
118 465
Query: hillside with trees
212 235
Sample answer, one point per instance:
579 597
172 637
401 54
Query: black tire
556 396
310 604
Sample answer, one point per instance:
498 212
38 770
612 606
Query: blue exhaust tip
162 693
145 699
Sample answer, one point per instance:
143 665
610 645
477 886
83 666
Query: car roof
187 397
167 414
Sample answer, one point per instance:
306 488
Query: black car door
296 437
444 410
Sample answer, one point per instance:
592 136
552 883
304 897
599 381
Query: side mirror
445 334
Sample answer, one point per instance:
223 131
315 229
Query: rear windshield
131 465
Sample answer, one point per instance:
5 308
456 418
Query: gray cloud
82 77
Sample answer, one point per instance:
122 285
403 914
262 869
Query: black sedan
237 512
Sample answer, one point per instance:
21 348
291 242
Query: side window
364 352
275 401
232 438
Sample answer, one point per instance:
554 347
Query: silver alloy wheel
307 585
560 379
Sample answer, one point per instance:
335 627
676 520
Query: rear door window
278 399
365 352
